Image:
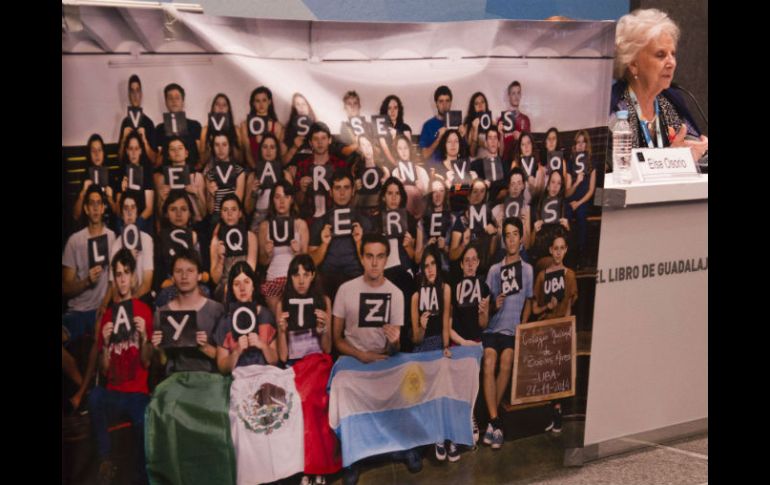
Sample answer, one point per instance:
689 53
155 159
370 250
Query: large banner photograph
366 224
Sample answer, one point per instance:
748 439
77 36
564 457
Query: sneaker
497 439
475 431
305 480
488 434
320 480
553 429
440 452
413 461
350 475
453 454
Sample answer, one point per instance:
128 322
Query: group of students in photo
467 233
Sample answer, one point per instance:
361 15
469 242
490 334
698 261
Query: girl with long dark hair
276 251
261 105
308 351
258 346
220 105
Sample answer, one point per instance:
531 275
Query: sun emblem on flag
267 409
413 383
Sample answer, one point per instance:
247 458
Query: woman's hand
255 341
283 322
326 234
243 343
107 332
157 338
320 319
221 251
408 240
424 317
141 327
697 148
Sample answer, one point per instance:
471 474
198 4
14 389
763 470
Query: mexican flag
187 431
261 425
266 424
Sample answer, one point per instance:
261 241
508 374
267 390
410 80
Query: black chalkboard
544 362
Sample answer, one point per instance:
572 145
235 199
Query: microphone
688 93
703 163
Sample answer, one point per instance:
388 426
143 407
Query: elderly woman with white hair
645 61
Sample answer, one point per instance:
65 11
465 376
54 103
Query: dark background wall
693 49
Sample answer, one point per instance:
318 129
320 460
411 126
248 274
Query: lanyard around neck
645 129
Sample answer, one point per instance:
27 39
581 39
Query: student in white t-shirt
367 314
376 335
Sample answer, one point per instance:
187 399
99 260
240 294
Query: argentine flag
404 401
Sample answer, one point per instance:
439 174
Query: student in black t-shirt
496 176
437 203
411 174
582 175
470 307
525 157
303 282
142 188
220 105
431 325
393 109
176 233
431 307
470 301
95 157
257 197
476 137
370 172
224 176
398 267
297 146
177 156
261 105
552 144
338 257
479 215
231 215
174 96
549 221
145 128
454 169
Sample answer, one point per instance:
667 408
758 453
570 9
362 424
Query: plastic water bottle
622 140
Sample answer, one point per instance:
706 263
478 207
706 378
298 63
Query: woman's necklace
648 127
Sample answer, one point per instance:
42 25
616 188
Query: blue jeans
434 342
105 404
79 324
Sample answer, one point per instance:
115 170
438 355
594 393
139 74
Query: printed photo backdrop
564 68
